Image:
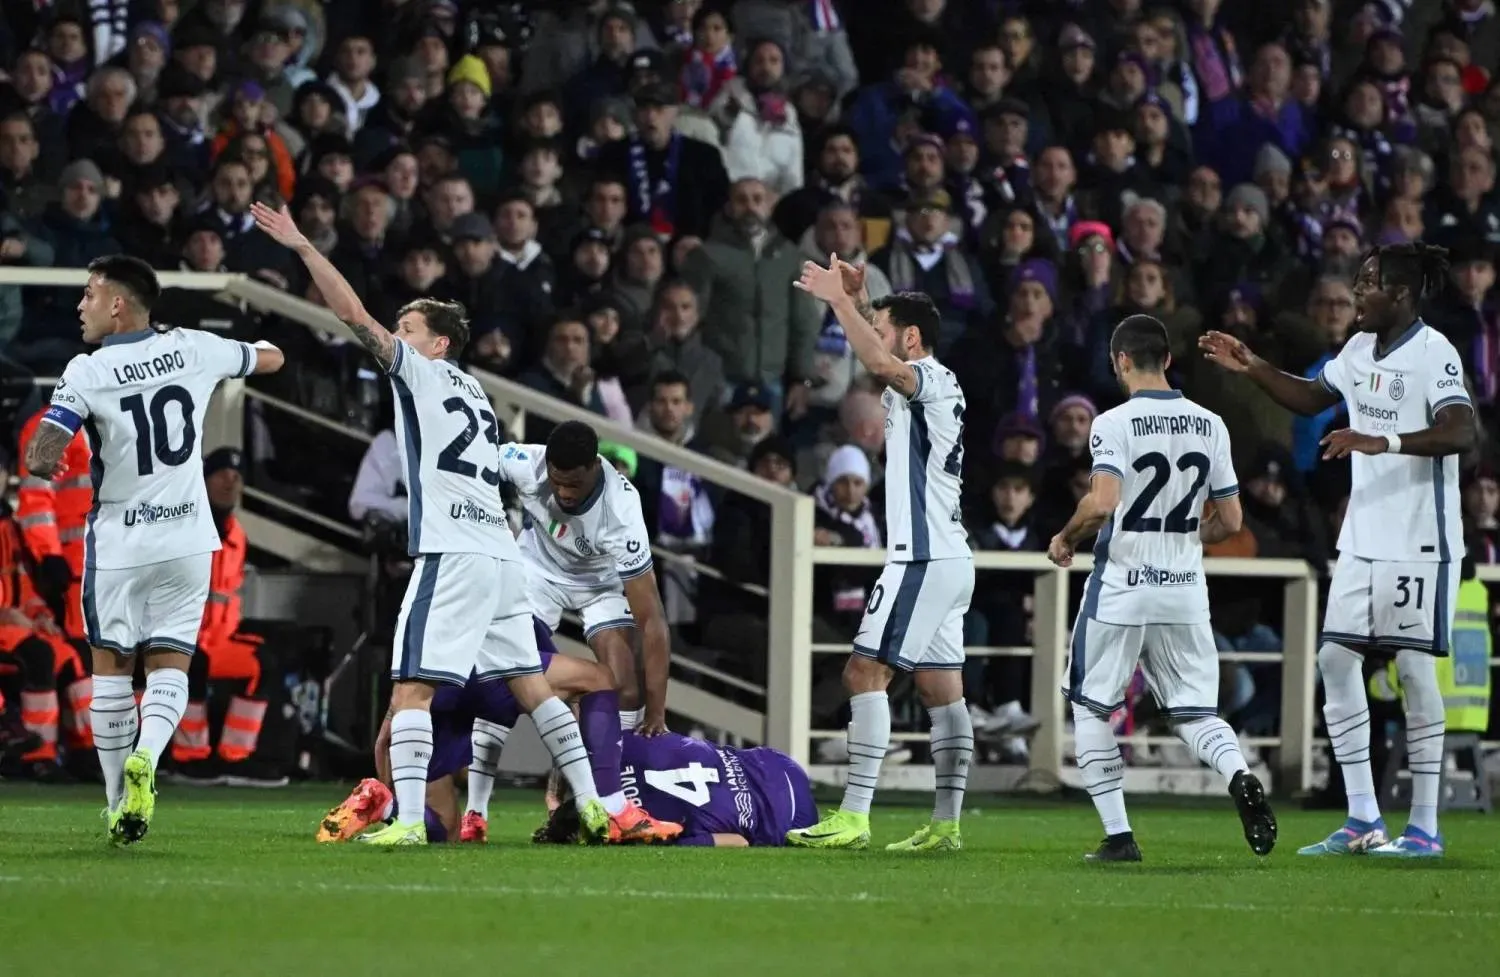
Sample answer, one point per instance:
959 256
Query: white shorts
464 613
159 605
1180 661
1391 605
914 618
602 608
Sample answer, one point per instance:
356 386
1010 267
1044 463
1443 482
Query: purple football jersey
759 794
454 709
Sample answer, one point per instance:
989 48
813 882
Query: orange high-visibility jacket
16 591
53 515
221 615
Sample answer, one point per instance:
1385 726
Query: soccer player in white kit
465 608
1156 459
586 549
142 398
914 618
1401 546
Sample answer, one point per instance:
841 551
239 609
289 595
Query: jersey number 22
1179 519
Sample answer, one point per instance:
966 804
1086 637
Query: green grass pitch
231 883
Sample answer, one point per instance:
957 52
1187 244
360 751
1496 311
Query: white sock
1215 743
1102 768
115 720
1346 714
630 719
559 730
952 751
869 738
162 707
487 740
411 749
1426 722
615 803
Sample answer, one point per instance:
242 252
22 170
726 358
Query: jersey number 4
152 432
1180 519
688 784
451 458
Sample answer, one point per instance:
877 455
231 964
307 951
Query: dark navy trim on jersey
920 445
1450 401
1323 379
416 622
433 675
406 408
64 418
171 644
504 673
1158 394
1344 638
247 360
1407 644
638 571
917 391
903 606
1191 712
1228 492
119 338
1401 340
937 667
595 494
96 478
394 369
1440 636
610 625
1107 470
1442 516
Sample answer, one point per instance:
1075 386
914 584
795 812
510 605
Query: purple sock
436 833
599 720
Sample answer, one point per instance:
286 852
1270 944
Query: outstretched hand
278 224
854 278
1224 350
822 283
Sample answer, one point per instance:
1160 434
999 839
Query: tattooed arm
337 293
45 450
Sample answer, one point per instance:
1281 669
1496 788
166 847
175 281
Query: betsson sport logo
147 514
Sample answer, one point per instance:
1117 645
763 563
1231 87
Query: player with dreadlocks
1401 545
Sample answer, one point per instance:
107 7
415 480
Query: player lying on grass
722 796
489 710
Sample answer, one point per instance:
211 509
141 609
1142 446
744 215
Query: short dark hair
914 310
572 445
670 378
1420 268
443 319
1143 338
130 273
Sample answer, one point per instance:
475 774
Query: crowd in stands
622 195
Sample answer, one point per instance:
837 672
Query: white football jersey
1401 507
142 397
1170 455
601 543
450 451
924 467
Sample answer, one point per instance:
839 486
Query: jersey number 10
153 434
1180 519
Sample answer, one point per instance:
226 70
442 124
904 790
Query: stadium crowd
622 195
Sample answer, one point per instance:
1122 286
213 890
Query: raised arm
1297 394
337 293
841 285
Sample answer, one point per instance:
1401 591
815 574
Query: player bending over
1156 458
587 550
491 706
914 619
1401 546
723 797
142 397
465 608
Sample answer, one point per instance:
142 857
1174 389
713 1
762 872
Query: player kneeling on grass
1157 458
474 720
723 797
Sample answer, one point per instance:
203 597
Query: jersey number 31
1180 519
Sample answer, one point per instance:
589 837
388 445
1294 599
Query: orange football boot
636 826
363 807
474 829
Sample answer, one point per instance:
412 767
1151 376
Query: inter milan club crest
583 547
1398 389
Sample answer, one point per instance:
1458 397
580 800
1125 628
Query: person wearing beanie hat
471 69
844 515
1243 201
1069 422
1038 270
1273 174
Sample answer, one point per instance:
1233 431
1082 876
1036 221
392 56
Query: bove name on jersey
155 368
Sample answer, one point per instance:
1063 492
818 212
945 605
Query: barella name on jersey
147 514
152 369
1150 576
467 511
